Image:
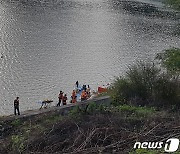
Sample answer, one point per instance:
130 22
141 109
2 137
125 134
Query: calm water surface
46 47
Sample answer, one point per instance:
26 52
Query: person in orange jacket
73 93
73 97
83 95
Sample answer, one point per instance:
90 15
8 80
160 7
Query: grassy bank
174 3
98 129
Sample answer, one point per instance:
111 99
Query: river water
46 47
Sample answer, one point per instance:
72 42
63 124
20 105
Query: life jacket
83 95
74 99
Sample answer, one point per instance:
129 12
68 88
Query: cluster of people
62 98
84 93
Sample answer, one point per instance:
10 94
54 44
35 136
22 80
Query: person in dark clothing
64 99
60 98
84 87
16 105
77 84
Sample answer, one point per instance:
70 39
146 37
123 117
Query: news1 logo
171 145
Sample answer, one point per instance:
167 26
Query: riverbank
96 129
63 110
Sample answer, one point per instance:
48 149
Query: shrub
142 77
170 59
145 84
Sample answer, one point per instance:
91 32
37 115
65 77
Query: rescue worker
16 105
73 93
74 99
83 95
64 99
88 91
60 98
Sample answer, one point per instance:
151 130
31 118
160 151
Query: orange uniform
83 95
74 99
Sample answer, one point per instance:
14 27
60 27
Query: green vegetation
92 108
174 3
146 84
170 59
137 111
90 129
16 122
17 143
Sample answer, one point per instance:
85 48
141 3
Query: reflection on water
46 47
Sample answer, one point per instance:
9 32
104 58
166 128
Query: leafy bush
170 59
145 84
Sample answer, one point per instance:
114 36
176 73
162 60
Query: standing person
73 97
16 106
88 92
60 98
73 93
83 95
64 99
77 84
